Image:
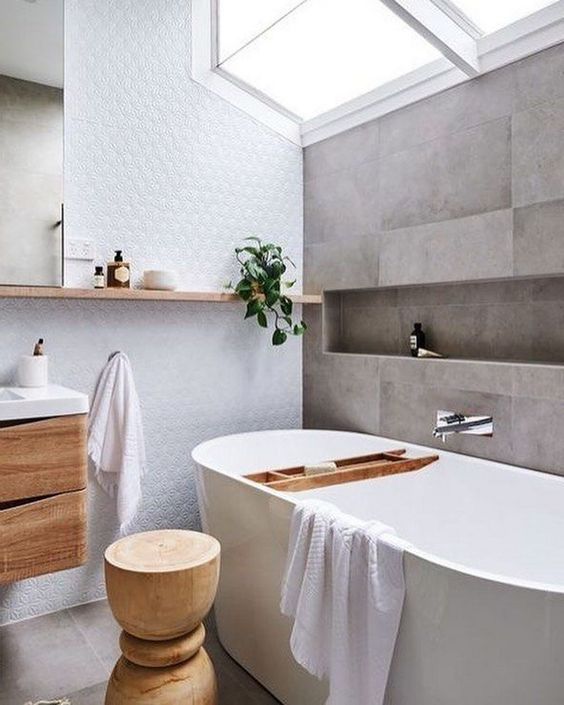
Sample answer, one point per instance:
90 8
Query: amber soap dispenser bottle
119 274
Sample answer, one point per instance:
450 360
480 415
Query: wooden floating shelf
40 292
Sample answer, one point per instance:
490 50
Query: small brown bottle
119 275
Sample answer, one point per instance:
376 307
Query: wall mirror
31 142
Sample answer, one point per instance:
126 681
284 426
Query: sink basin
40 402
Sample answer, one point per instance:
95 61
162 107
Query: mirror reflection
31 142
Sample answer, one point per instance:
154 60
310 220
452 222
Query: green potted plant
261 287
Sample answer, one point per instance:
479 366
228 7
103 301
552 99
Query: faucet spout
449 422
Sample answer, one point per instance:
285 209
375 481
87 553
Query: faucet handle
449 422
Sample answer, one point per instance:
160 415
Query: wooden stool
160 586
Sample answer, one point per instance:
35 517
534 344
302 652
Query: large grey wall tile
343 151
465 293
547 289
547 331
451 177
539 239
408 412
538 441
476 247
374 329
342 264
539 382
341 392
468 375
332 319
343 204
539 78
537 154
483 332
471 103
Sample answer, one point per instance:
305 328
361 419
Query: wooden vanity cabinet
43 478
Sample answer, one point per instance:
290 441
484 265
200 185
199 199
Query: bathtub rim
291 498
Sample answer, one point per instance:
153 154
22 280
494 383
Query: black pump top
417 326
118 257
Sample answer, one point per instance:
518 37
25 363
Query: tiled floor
71 653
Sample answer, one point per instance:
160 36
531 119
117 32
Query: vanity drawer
45 457
42 536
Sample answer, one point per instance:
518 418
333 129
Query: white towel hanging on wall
115 437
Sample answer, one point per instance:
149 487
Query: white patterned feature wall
157 166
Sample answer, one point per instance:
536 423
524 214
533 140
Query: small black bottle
416 339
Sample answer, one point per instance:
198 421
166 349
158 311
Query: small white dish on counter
160 279
40 402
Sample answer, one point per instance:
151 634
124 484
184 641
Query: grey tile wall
449 177
464 186
538 158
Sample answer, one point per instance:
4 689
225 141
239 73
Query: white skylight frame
469 54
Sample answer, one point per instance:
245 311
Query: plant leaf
272 297
244 289
286 305
261 318
289 285
279 337
253 307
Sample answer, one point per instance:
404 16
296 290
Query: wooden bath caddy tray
363 467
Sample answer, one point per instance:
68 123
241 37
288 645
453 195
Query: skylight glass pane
327 52
490 15
241 20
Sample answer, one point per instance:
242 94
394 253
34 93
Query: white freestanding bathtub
483 620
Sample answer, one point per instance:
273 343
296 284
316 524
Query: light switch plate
79 249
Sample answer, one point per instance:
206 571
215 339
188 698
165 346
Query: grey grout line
87 640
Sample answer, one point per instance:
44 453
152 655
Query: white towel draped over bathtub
344 586
115 437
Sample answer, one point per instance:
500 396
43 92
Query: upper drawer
39 458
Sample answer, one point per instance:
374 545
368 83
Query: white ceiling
31 40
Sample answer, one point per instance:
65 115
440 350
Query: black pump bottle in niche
416 339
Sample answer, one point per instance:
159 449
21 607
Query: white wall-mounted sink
40 402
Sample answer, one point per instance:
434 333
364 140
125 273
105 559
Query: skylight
490 15
309 69
321 54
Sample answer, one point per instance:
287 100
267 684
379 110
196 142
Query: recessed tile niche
507 320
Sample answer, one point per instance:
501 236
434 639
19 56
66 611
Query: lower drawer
42 536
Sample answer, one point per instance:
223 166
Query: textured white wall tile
175 176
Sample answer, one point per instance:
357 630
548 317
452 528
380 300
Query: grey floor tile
67 654
236 686
89 696
100 629
46 657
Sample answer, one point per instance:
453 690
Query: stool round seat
161 584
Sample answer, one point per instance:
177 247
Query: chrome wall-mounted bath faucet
449 422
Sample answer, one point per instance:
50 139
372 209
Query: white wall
174 176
